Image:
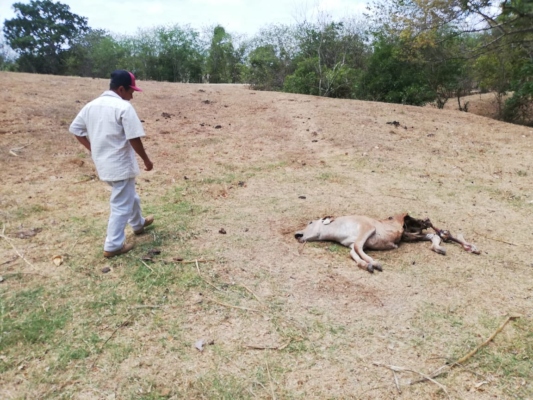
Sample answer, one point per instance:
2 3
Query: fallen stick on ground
445 368
496 240
189 261
15 149
126 322
9 261
230 306
250 290
397 382
486 342
205 280
401 369
399 197
14 248
147 266
271 382
140 306
254 347
10 274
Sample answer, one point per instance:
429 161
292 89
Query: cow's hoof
378 267
370 268
439 250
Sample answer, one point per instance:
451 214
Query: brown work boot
125 248
149 220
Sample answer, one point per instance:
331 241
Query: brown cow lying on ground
359 232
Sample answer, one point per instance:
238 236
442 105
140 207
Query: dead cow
359 232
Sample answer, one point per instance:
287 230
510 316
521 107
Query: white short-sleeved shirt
109 122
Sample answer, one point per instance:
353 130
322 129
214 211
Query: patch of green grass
88 226
337 248
511 355
28 210
214 385
325 176
25 321
105 297
118 351
164 275
268 167
227 179
71 353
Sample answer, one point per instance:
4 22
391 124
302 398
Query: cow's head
312 230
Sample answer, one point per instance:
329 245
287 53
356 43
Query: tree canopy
41 32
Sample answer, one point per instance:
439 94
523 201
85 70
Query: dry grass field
280 320
484 104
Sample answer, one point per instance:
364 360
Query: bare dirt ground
283 320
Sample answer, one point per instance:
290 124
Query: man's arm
84 141
137 145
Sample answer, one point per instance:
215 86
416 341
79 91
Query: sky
236 16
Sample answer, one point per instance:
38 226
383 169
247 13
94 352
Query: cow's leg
435 243
358 248
360 262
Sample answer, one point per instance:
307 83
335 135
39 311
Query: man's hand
148 165
137 145
84 141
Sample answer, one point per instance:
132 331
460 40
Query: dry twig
399 197
250 290
253 347
202 278
445 368
147 266
486 342
230 306
14 150
126 322
9 261
401 369
12 245
192 262
271 383
140 306
396 380
23 273
496 240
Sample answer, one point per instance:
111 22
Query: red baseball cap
121 77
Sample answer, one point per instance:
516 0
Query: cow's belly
380 241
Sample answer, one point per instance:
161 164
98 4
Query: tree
180 56
271 59
264 69
331 58
7 56
221 59
501 28
94 54
41 33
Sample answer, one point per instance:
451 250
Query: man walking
111 130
